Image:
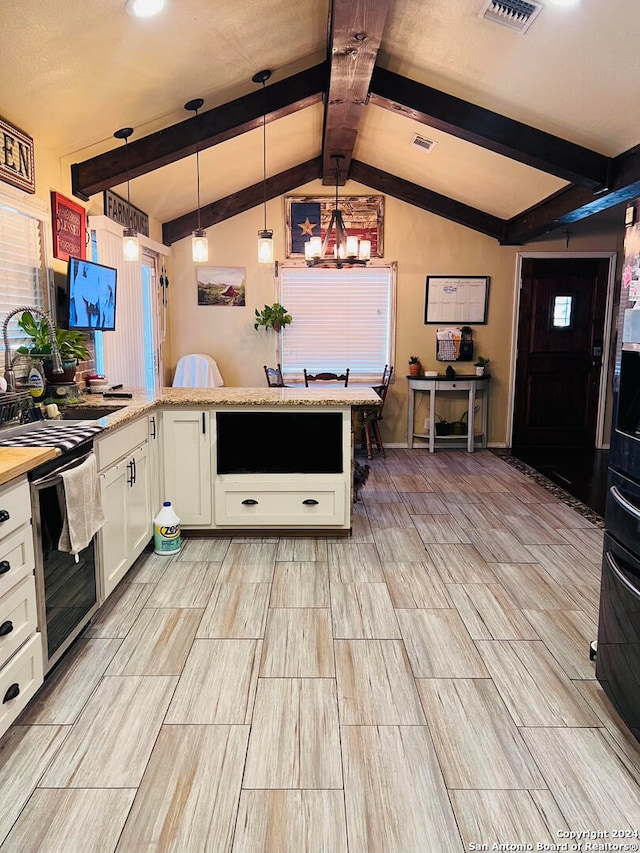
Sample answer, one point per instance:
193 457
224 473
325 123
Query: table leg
432 420
410 415
470 417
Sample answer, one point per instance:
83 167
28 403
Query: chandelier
347 250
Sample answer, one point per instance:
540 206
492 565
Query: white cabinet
280 501
187 444
21 659
126 500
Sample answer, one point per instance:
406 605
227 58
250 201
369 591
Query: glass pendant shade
130 244
265 246
199 246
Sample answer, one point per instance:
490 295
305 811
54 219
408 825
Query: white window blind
341 318
23 279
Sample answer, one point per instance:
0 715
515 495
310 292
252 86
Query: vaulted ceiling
532 131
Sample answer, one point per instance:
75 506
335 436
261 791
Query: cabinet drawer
256 504
18 618
114 446
457 385
16 503
16 558
19 681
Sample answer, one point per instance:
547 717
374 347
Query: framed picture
308 217
69 225
220 285
456 299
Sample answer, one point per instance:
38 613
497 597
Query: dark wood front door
560 340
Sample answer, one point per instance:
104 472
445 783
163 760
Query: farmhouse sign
16 158
126 214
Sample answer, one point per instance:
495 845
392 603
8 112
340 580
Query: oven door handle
626 505
620 575
52 478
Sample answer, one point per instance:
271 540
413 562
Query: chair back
326 377
387 373
197 370
274 376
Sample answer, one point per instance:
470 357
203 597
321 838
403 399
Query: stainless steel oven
67 590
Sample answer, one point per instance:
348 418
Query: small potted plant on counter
71 346
481 364
415 368
272 317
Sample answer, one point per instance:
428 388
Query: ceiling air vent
517 15
423 143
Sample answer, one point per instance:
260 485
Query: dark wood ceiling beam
209 128
355 32
575 203
242 201
489 130
426 199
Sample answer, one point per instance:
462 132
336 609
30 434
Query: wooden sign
17 166
126 214
69 225
307 217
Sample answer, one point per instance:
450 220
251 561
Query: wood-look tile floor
421 687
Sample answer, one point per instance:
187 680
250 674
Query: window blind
23 279
341 318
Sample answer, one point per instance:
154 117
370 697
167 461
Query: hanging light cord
126 151
264 152
198 164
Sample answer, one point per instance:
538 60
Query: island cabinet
187 442
124 477
282 467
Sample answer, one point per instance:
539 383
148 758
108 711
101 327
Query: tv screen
92 295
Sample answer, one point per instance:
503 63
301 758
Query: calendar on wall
456 299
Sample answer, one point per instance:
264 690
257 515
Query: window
341 318
562 311
23 276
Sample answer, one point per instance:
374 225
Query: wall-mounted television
91 292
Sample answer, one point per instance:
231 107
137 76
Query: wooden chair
326 377
274 377
372 417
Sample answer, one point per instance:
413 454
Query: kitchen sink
88 413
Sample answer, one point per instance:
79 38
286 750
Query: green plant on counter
272 317
71 342
414 359
481 361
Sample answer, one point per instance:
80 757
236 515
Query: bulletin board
456 299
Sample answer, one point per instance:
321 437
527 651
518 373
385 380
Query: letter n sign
16 158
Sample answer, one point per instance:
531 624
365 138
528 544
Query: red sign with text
69 228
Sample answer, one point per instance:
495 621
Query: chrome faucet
9 374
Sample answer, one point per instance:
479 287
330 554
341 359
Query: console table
475 386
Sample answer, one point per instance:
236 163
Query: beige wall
421 243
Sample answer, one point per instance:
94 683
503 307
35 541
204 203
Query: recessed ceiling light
143 8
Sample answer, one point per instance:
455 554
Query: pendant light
199 242
347 251
265 236
130 245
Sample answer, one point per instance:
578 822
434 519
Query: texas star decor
310 217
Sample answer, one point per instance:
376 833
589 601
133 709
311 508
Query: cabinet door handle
135 471
204 423
6 628
626 505
12 692
5 565
4 515
310 502
152 421
130 477
249 502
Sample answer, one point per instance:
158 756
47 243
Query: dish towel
81 506
197 371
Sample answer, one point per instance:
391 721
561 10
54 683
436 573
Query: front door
560 341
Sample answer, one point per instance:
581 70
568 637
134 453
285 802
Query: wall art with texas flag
310 217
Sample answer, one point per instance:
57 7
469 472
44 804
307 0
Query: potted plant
415 368
272 317
71 346
481 364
